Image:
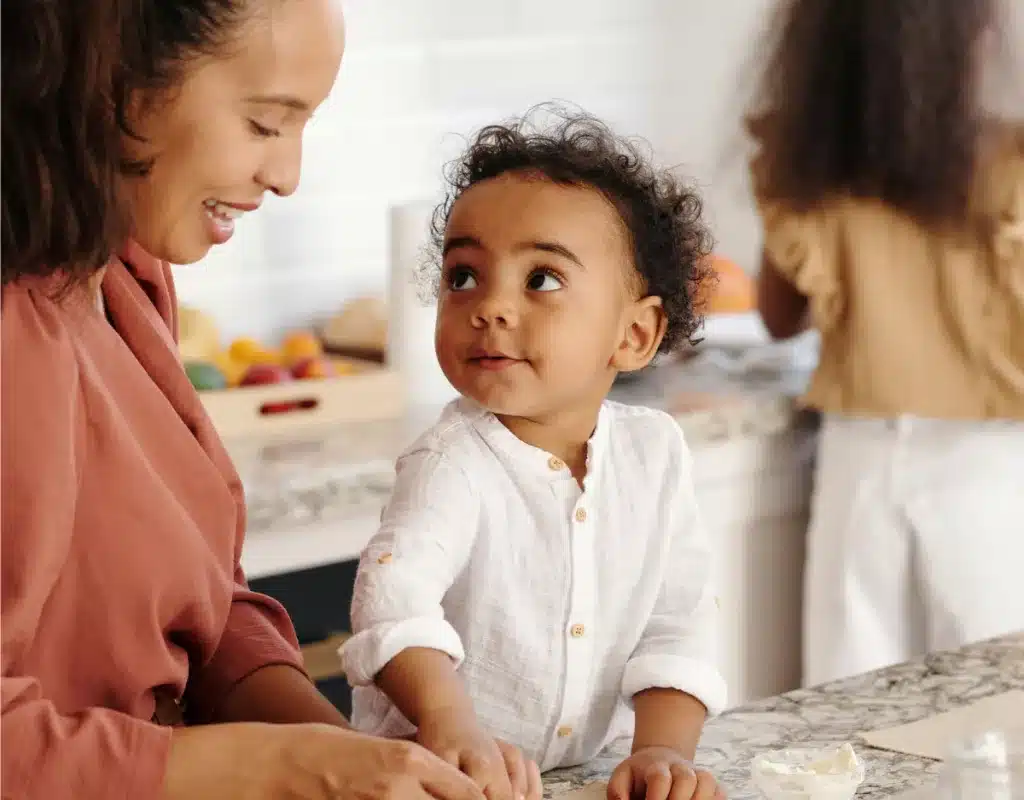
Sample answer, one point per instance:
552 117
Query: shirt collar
532 459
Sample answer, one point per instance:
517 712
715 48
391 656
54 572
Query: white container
808 773
411 316
985 766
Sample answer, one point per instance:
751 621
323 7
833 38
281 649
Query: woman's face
232 130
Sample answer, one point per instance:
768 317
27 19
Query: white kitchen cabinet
754 495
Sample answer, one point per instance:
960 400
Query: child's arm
678 647
424 685
668 718
425 537
671 677
401 640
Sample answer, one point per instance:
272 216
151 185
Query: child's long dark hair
876 98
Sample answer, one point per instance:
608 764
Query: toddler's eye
543 281
460 279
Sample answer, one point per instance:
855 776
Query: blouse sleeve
258 634
798 246
45 754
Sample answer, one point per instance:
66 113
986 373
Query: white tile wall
419 75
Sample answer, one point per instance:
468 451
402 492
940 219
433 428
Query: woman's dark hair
875 98
663 216
69 69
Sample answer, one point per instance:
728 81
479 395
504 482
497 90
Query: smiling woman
136 660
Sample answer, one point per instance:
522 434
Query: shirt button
564 731
384 559
577 631
555 464
581 515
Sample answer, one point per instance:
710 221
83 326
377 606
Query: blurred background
418 77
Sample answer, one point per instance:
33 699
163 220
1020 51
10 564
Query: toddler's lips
494 363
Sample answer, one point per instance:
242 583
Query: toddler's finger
658 780
621 783
684 782
707 786
490 776
534 786
516 768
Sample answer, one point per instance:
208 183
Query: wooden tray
373 392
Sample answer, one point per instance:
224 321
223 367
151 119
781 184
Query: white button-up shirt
557 604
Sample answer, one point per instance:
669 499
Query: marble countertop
836 713
346 472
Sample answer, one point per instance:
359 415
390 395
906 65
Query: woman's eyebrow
288 101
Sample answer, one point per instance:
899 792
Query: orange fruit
300 346
734 292
249 351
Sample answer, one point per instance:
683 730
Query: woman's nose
280 172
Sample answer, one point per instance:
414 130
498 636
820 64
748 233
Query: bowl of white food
808 773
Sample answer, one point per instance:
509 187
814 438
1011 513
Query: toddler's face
536 293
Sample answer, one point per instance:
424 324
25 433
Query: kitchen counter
837 712
346 471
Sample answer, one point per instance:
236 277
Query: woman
893 208
125 612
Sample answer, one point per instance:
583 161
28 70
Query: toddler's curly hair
670 241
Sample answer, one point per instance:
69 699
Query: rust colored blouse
123 521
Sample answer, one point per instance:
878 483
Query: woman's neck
95 285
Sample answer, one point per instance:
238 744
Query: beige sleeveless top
913 321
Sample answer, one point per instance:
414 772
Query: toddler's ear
644 326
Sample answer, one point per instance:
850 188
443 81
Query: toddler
541 574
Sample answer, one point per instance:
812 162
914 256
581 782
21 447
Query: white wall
418 74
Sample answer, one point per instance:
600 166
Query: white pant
916 541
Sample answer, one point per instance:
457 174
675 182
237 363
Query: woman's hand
660 773
253 761
496 767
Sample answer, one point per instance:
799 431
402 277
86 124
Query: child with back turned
891 186
541 577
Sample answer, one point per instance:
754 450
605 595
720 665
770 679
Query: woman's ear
644 325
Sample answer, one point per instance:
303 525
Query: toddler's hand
496 767
660 773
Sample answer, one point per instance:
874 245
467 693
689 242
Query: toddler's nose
495 311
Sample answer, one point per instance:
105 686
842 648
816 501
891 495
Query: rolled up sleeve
678 648
424 541
258 634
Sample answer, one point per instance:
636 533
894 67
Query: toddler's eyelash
449 273
551 273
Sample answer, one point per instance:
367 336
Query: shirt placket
579 631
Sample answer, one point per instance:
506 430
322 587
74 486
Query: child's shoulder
648 431
453 434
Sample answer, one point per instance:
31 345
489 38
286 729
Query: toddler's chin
500 403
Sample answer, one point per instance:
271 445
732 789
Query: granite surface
836 713
347 471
